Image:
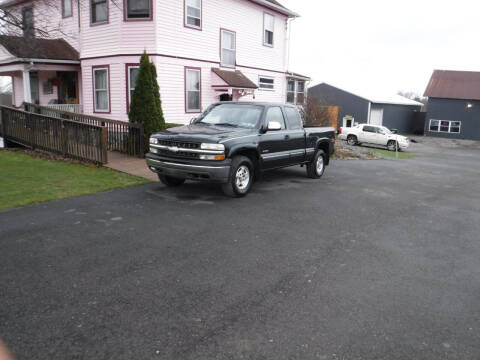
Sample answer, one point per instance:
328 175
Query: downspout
369 111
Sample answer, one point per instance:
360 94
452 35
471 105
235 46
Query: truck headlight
153 140
212 157
210 146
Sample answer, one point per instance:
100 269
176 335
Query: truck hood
202 133
399 138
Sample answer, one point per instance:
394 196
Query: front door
68 87
35 96
274 147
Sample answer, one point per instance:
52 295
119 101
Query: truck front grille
179 144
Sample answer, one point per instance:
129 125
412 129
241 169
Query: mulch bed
343 151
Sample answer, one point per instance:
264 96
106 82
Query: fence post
31 123
103 143
141 152
64 139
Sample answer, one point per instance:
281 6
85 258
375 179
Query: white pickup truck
375 135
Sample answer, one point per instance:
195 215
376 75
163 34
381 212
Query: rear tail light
340 130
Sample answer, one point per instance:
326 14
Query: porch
43 72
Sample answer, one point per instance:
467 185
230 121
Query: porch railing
68 138
74 108
122 136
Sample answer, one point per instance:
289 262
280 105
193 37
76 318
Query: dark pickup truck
232 143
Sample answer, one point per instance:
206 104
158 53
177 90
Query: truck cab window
293 118
275 114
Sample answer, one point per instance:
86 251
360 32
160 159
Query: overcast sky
383 45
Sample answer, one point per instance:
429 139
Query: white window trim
129 83
449 126
234 49
265 14
296 92
107 90
186 16
187 109
260 77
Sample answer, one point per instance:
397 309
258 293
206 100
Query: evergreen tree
145 109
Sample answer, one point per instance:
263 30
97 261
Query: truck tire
241 177
170 180
352 140
316 168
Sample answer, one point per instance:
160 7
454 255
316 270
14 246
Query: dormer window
193 13
268 26
138 9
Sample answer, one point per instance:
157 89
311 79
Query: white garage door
376 116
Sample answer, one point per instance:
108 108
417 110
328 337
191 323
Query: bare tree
414 96
318 111
45 25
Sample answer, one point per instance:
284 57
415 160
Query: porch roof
233 79
23 49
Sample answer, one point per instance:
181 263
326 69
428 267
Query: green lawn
401 155
26 180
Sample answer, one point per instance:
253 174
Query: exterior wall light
469 105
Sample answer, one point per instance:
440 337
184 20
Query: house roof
35 48
271 4
454 85
235 79
380 98
275 5
297 75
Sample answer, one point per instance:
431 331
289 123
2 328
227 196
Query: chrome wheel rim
319 165
242 177
350 141
392 147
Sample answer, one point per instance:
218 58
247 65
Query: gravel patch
343 151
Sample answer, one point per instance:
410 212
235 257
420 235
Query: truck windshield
235 115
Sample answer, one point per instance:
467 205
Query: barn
453 105
394 111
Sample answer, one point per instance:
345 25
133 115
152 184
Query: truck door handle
287 137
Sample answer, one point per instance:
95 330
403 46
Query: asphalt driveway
378 260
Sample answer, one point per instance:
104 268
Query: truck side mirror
274 126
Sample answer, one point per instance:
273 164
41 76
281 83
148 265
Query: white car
375 135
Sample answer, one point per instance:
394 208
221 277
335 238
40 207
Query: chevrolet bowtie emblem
173 148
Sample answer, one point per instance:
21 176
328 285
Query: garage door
376 116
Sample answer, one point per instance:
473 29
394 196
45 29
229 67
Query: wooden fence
68 138
122 136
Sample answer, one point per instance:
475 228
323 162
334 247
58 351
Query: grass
26 180
387 153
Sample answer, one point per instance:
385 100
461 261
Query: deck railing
68 138
74 108
122 136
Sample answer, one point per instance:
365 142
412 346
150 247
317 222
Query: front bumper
212 171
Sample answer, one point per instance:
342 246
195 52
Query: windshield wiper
226 124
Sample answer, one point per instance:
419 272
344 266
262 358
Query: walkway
129 164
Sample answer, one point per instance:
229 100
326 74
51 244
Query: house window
445 126
66 8
99 11
228 48
295 91
193 13
266 83
268 24
138 9
300 92
291 91
101 90
27 22
192 90
133 71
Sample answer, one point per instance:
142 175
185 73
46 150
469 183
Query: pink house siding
172 47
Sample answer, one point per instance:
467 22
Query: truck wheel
316 168
170 180
352 140
392 145
241 177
